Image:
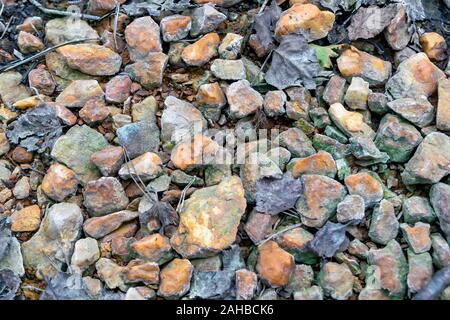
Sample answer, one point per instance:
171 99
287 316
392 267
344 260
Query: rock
231 46
11 89
91 59
182 179
201 51
149 71
70 150
377 103
243 99
64 114
358 249
220 3
351 123
439 198
175 27
29 43
301 278
209 219
275 265
140 293
441 251
228 69
397 138
61 30
246 284
443 109
320 198
397 33
258 226
98 227
336 280
102 7
85 253
296 142
366 152
175 279
154 248
5 173
118 89
420 271
94 111
140 271
351 209
355 63
145 110
104 196
50 248
417 209
110 273
357 94
26 220
200 151
417 110
434 45
180 119
366 186
321 163
142 37
4 143
108 160
384 224
205 19
217 284
274 102
335 90
210 100
59 182
79 92
22 188
31 24
139 138
428 164
147 167
392 266
12 258
295 242
307 20
311 293
416 76
418 236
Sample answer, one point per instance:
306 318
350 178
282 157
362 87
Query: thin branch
183 195
66 13
6 27
116 22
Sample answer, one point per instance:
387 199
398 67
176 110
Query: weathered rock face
149 70
138 138
99 227
26 220
366 186
53 244
243 99
321 163
203 50
61 30
176 278
104 196
154 248
205 19
351 123
146 167
336 280
175 27
196 153
142 37
418 110
384 224
209 219
78 92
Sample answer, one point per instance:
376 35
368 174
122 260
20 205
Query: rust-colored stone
275 265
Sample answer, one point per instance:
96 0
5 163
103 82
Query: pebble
417 209
175 27
231 46
210 100
29 43
139 137
201 51
295 242
311 293
138 271
155 248
228 69
59 182
110 273
243 99
60 30
420 270
275 265
336 280
4 143
419 110
94 111
351 123
22 188
258 226
274 102
199 152
296 142
104 196
11 89
384 224
85 253
98 227
118 89
334 91
175 279
434 45
205 19
149 71
351 209
246 284
140 293
78 92
417 236
357 94
142 37
26 220
377 103
398 33
441 250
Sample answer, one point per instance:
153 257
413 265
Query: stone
439 198
351 123
26 220
175 279
228 69
417 209
139 138
320 198
11 89
102 7
207 285
334 91
108 160
78 92
311 293
384 224
64 114
258 226
295 242
220 3
321 163
111 273
31 24
145 110
434 45
205 19
366 152
4 143
21 155
307 20
201 51
51 246
60 30
357 94
280 156
210 100
200 151
420 271
274 102
140 271
22 188
85 254
377 103
393 268
94 111
332 146
336 280
59 183
351 209
418 110
429 164
175 27
231 46
275 265
140 293
397 138
118 89
104 196
301 278
366 186
443 108
154 248
12 258
355 63
418 236
416 76
397 33
146 167
320 117
358 249
98 227
296 142
441 251
142 37
70 150
91 59
149 71
29 43
246 284
209 219
182 179
211 264
243 99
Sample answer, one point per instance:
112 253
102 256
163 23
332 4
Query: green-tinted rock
295 241
336 134
441 250
11 89
320 117
420 270
384 224
312 293
366 152
336 280
296 141
440 200
183 179
417 209
330 145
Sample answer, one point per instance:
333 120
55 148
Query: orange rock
203 50
366 186
108 160
140 271
275 265
176 278
155 248
59 182
320 163
42 80
200 151
418 236
246 283
210 95
175 27
94 111
221 3
306 19
295 239
142 37
434 45
98 227
29 43
27 219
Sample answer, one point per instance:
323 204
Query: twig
116 21
263 65
183 195
66 13
18 63
274 235
2 7
6 27
264 5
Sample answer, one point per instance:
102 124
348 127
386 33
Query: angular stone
418 236
26 220
321 163
351 123
22 188
384 224
228 69
149 71
377 103
201 51
139 138
142 37
417 209
12 258
351 209
111 273
175 27
29 43
296 142
311 293
416 110
85 253
275 265
118 89
154 248
366 152
102 7
98 227
209 219
220 3
357 94
420 271
78 92
295 242
366 186
336 280
397 33
140 271
94 111
103 196
147 167
42 80
443 109
231 46
246 284
434 45
440 200
59 182
140 293
11 89
61 30
175 279
243 99
258 226
199 152
274 102
108 160
210 100
441 251
319 200
205 19
335 90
